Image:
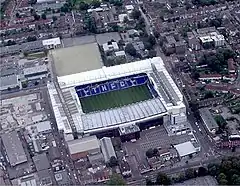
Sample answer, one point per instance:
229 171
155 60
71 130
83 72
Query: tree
31 38
196 75
24 84
163 179
150 153
213 169
36 83
136 14
202 171
149 182
152 53
116 179
96 3
190 173
83 6
222 179
151 40
235 179
17 15
44 16
113 162
130 49
208 94
54 18
36 17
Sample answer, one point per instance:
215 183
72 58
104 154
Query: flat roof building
9 82
80 148
14 148
185 149
52 43
107 149
208 120
35 72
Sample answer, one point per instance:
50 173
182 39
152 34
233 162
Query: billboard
111 85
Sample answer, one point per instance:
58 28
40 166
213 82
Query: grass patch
36 55
115 99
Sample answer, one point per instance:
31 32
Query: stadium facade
140 93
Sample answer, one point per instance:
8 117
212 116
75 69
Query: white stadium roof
170 99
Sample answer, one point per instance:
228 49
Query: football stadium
140 94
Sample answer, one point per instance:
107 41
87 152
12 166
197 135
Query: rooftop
185 149
77 59
36 69
8 80
14 148
128 129
208 119
107 148
83 144
41 161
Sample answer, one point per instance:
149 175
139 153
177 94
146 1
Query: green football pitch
115 99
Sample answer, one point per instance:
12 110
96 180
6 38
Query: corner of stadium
118 100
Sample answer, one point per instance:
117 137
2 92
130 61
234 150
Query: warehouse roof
36 69
107 148
185 149
208 119
83 144
14 148
8 80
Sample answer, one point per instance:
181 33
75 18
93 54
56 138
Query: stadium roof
14 148
83 144
185 149
169 97
123 115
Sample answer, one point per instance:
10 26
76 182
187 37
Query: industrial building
208 120
14 148
107 149
52 43
37 72
185 149
9 82
83 147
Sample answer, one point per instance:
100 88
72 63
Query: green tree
31 38
17 15
190 173
149 182
113 162
163 179
152 53
44 16
96 3
222 179
54 18
213 169
130 49
151 39
136 14
202 171
116 179
208 94
36 17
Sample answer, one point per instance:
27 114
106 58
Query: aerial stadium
140 94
